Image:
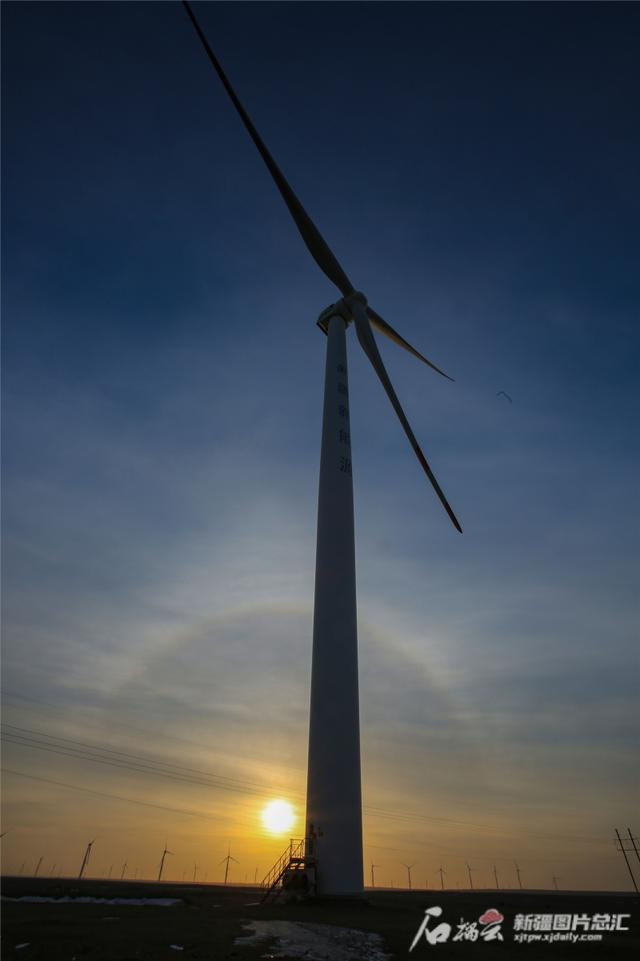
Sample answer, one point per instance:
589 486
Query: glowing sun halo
278 817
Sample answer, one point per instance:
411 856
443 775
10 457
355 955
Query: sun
278 817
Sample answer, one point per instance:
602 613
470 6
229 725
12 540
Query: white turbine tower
334 803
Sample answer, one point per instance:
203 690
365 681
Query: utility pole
624 854
633 841
38 866
518 873
441 872
495 874
555 882
86 857
470 869
373 877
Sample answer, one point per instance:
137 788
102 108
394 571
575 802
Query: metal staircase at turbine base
293 874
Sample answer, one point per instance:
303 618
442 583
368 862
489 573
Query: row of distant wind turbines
228 859
441 871
125 866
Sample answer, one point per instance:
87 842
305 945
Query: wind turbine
441 871
408 867
85 860
555 882
35 873
470 869
227 859
164 854
124 871
495 874
518 873
373 877
334 794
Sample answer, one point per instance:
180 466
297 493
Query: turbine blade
368 344
380 324
316 244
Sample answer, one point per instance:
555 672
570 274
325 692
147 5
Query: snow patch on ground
316 942
36 899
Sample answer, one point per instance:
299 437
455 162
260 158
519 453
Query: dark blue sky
475 168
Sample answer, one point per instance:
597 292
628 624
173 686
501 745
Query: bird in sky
504 394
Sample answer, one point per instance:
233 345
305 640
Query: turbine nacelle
342 309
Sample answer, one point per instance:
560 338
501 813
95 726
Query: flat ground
210 917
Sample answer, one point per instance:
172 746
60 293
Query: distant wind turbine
85 860
227 860
334 795
441 871
495 874
373 877
35 873
164 854
124 871
408 867
518 873
555 882
195 870
470 869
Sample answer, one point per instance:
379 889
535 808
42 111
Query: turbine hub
340 309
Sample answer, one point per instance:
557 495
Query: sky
475 169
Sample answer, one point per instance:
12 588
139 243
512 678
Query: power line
114 797
85 751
